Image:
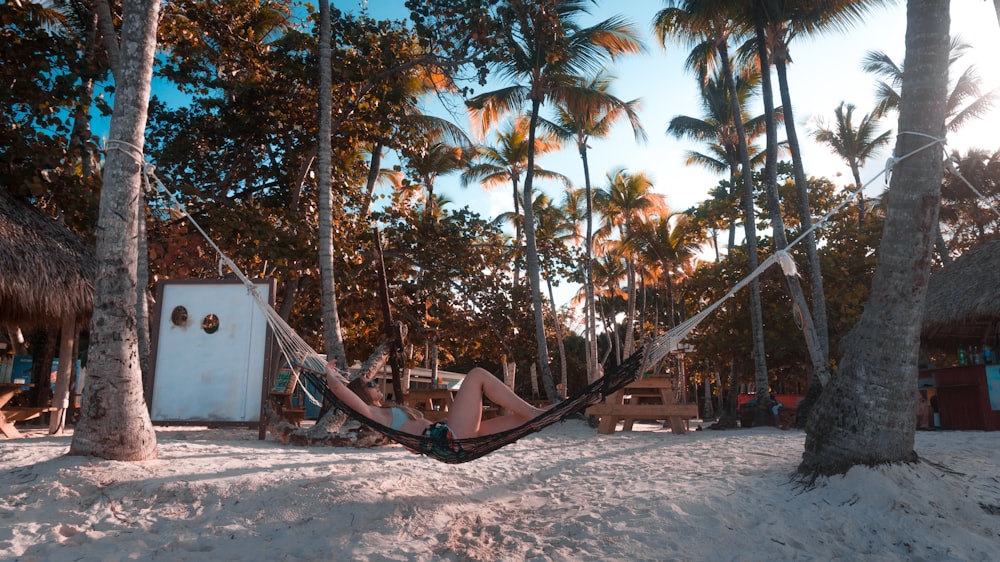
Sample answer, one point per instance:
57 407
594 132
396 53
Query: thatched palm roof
46 270
963 298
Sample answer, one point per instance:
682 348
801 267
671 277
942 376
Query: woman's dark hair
357 386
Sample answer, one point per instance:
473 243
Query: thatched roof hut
963 299
46 270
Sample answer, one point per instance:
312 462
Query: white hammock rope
301 356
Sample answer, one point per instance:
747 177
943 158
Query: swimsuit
441 440
399 417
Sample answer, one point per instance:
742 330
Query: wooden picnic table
433 403
11 414
645 399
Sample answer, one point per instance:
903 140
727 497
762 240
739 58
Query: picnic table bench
433 403
11 414
645 399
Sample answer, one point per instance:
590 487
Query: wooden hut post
67 361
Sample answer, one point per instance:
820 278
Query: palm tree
590 112
555 232
624 203
880 353
965 99
666 242
785 21
718 129
609 273
817 349
505 162
437 159
115 423
854 143
545 49
970 214
708 25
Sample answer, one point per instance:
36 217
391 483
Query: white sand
566 493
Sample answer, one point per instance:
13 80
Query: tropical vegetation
281 166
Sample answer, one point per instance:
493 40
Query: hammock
463 450
311 365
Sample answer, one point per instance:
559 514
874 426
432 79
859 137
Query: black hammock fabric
455 451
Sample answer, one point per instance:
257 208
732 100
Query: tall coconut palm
589 111
609 274
555 232
970 217
718 129
544 50
966 101
667 242
865 415
114 421
784 22
624 203
506 161
759 14
708 26
854 143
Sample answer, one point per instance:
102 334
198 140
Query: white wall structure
210 352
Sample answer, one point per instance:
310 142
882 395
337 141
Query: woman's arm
353 401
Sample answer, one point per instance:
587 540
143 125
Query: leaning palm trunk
813 344
805 213
629 310
590 315
865 415
61 395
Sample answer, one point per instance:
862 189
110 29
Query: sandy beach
566 493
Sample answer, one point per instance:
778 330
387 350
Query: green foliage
47 72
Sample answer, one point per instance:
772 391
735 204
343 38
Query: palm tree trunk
629 309
532 259
856 172
67 362
813 344
805 215
590 314
559 337
865 415
518 230
333 336
114 421
749 226
373 169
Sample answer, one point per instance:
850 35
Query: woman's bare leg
465 416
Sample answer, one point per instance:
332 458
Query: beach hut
963 300
961 328
46 275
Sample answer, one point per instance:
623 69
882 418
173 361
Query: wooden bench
10 415
649 399
433 403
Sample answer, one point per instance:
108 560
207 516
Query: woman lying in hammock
465 418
